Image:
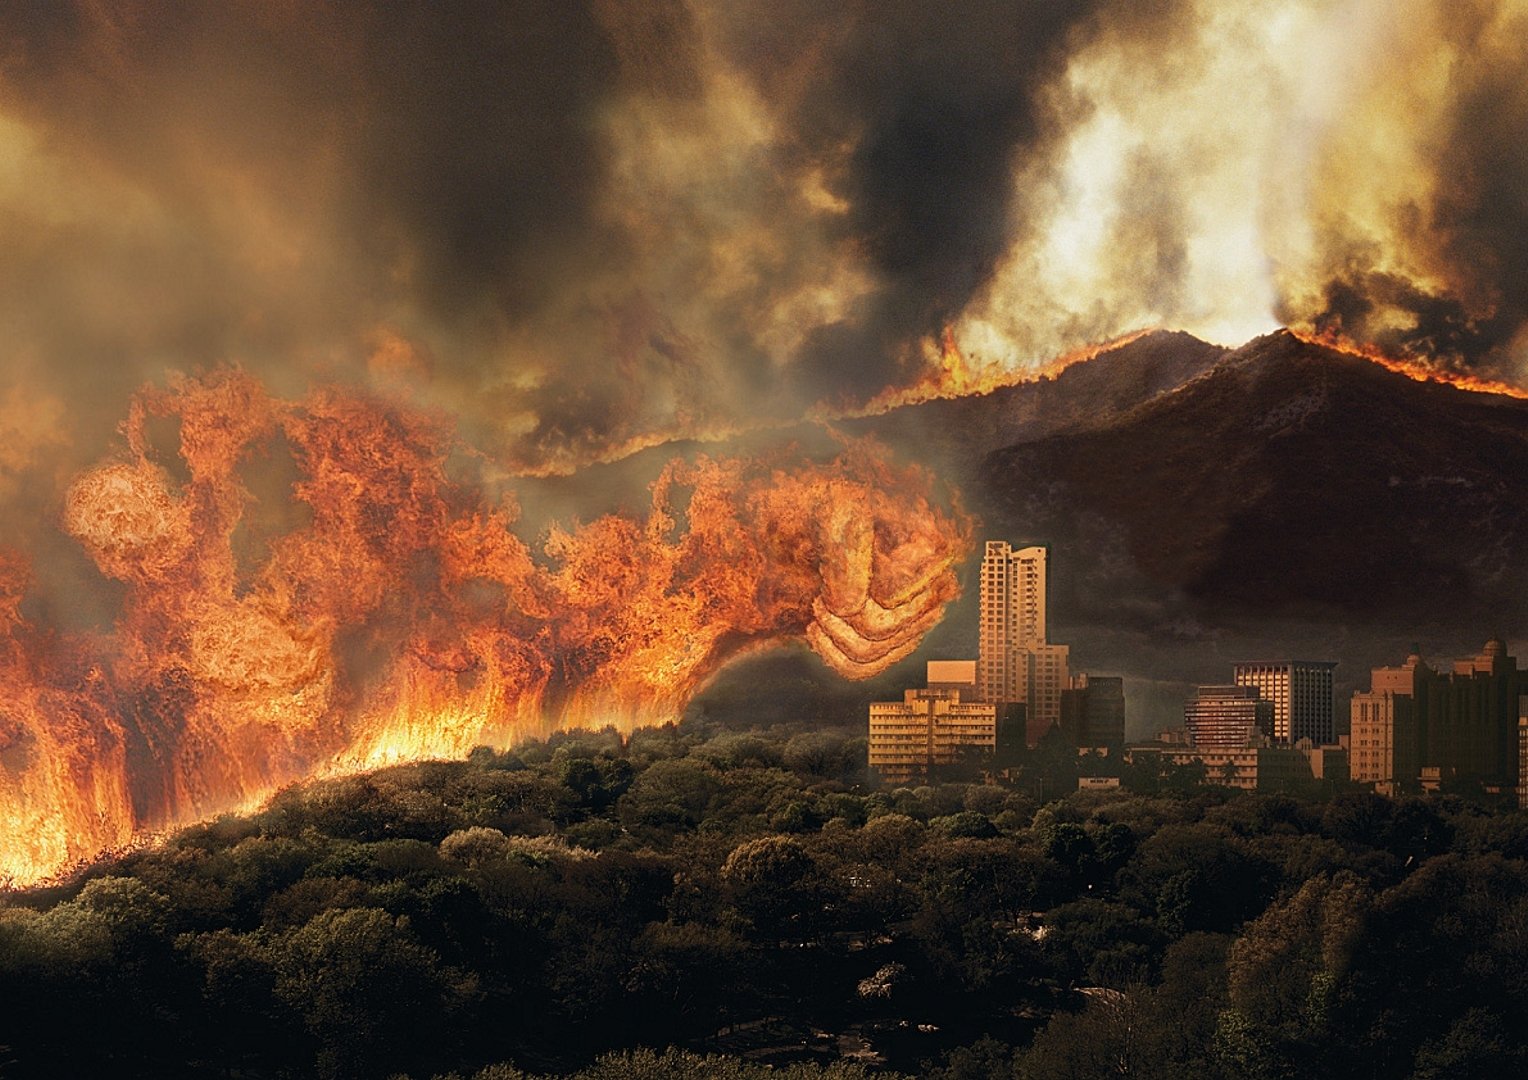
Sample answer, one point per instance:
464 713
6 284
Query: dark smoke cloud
585 225
480 179
918 114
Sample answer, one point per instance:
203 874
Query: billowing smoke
1420 210
581 226
1350 168
587 226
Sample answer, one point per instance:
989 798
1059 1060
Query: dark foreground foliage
752 901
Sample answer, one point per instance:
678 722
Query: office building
1046 676
1383 728
1227 717
936 726
1301 694
1469 719
1416 727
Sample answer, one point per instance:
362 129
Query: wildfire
948 373
405 619
1338 342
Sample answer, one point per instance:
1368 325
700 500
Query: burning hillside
404 618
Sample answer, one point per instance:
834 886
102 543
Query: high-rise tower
1301 692
1017 663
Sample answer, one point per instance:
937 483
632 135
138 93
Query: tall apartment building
1017 663
1227 717
1093 711
935 726
1301 693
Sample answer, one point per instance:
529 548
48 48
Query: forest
698 902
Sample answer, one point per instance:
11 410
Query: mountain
1287 482
1203 506
1288 501
950 435
1088 394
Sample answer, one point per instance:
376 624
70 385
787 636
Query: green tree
369 995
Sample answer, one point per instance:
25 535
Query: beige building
1522 752
1383 728
1249 768
1227 717
1046 671
1420 727
1017 663
938 725
1326 762
953 675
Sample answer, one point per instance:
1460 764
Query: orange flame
405 619
948 373
1412 369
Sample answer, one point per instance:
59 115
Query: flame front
947 372
1412 369
405 619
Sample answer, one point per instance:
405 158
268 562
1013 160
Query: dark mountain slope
1087 394
1290 480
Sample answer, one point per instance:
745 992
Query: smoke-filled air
297 299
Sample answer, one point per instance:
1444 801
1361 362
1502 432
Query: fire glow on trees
405 619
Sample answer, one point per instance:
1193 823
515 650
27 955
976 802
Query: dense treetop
699 903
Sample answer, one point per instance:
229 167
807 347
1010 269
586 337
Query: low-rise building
1227 716
1326 762
1249 768
931 727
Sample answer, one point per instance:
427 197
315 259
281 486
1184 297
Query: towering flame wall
406 619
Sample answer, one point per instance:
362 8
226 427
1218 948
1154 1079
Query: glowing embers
399 617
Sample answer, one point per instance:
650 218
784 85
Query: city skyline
1413 729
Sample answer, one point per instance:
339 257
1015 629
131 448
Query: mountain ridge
1291 473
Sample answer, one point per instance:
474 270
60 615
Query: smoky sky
936 109
313 172
584 226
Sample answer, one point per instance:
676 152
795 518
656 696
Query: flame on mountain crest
405 619
1412 369
947 372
